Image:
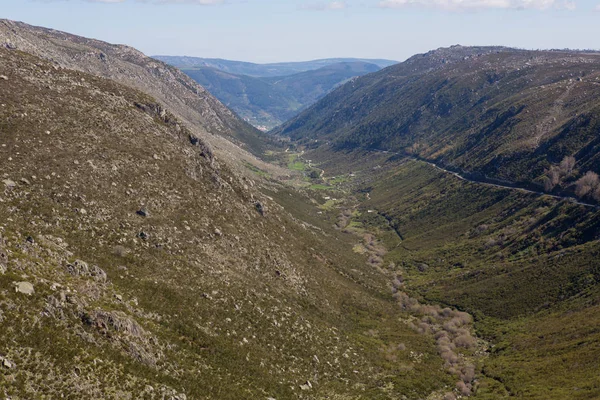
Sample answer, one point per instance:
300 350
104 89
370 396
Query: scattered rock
25 181
306 386
119 297
194 140
81 268
30 240
7 364
4 77
24 287
218 232
9 183
143 212
3 262
143 235
260 208
9 45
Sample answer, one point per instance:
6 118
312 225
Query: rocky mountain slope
264 70
268 102
497 113
174 90
134 265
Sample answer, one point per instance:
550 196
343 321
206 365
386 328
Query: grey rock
81 268
4 77
194 140
260 208
143 212
9 183
3 262
25 288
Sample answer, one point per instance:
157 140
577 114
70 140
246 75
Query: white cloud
597 7
199 2
333 5
480 4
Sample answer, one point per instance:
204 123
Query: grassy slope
525 266
501 113
213 300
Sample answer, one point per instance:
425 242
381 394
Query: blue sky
293 30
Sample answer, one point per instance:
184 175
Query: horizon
271 32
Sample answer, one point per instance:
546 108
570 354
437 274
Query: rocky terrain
146 252
183 97
137 263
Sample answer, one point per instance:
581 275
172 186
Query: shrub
587 184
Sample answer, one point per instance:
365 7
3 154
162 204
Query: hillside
268 102
496 113
523 263
263 70
135 263
170 277
175 91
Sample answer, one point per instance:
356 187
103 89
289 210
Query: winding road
459 176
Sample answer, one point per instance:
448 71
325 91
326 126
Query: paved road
459 176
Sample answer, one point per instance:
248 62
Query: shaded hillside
133 266
268 102
263 70
172 88
499 113
524 265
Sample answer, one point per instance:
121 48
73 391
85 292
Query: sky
294 30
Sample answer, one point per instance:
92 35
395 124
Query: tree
567 165
587 184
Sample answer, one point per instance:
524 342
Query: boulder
9 183
81 268
25 288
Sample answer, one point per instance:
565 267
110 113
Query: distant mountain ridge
268 102
263 70
266 95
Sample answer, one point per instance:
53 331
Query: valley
266 95
429 230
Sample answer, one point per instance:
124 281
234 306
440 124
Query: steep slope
497 113
524 265
263 70
173 89
268 102
132 265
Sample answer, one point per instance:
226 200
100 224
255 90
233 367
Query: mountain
175 90
268 102
473 157
498 113
263 70
137 262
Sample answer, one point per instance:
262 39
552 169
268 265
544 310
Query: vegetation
267 102
497 114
